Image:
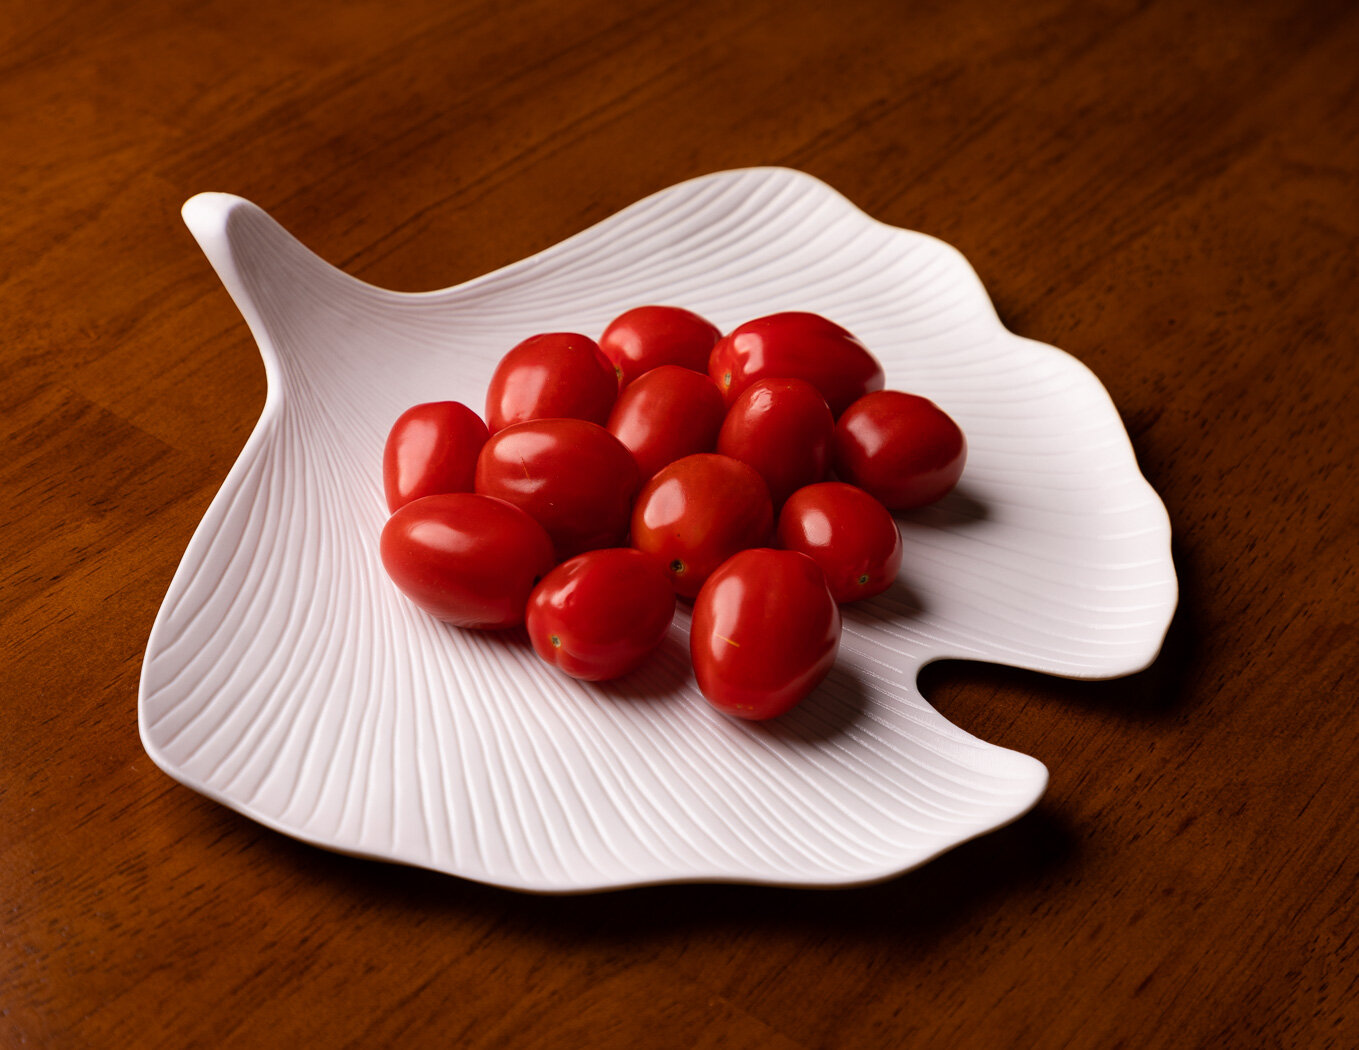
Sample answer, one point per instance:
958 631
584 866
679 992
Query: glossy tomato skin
782 428
666 414
901 448
572 476
467 559
697 512
647 337
600 614
796 345
764 634
848 533
555 374
431 448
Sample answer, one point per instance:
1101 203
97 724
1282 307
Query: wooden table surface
1168 191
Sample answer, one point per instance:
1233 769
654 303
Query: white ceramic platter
286 678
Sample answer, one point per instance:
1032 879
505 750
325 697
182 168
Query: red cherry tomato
668 413
468 559
647 337
782 428
574 477
799 346
765 633
598 615
848 533
549 376
903 449
697 512
431 448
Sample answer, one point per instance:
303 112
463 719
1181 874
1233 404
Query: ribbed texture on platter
286 677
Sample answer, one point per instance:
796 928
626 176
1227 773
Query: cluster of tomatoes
607 478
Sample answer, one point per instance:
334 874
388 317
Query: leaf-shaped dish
286 678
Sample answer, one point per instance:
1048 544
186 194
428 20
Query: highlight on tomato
647 337
901 448
764 634
782 428
697 512
666 414
796 345
600 614
572 476
431 448
555 374
468 559
848 533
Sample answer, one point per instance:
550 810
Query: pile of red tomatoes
667 460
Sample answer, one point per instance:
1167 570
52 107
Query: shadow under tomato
898 603
660 677
835 705
958 509
827 712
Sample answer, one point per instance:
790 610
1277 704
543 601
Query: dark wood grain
1169 191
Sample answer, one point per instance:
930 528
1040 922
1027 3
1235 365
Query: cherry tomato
848 533
697 512
647 337
668 413
548 376
598 615
764 634
799 346
468 559
574 477
782 428
431 448
903 449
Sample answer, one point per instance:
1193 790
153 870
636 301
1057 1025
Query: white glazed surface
286 677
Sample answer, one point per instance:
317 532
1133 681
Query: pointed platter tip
206 214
